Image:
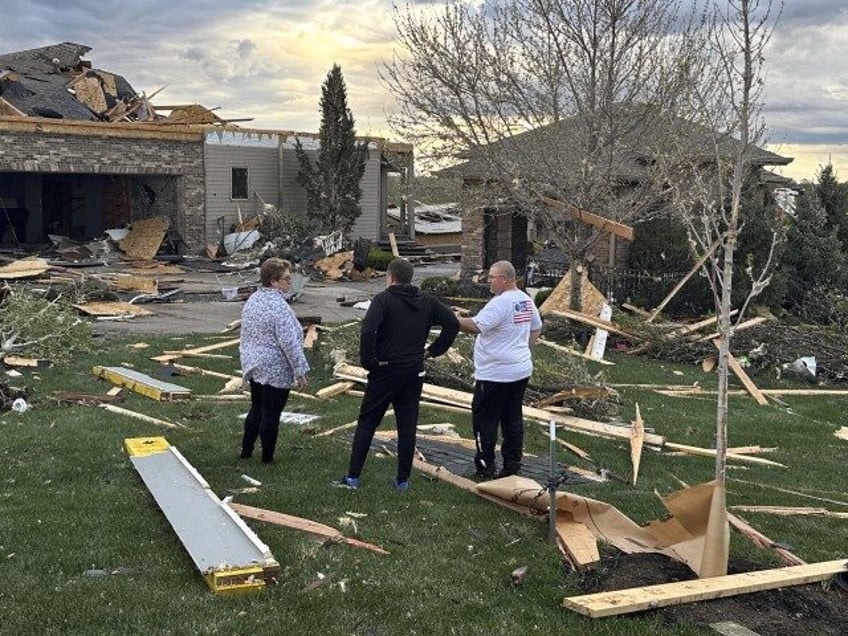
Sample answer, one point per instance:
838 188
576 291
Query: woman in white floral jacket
272 358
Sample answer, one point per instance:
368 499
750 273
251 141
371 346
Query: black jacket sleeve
368 335
444 317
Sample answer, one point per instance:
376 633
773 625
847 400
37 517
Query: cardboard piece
681 537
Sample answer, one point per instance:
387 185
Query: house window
238 183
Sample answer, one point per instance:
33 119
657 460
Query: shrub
379 259
439 286
541 296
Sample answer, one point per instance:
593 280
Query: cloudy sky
267 59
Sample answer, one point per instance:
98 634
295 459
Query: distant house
82 152
499 229
436 225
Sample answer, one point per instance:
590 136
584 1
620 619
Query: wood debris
651 597
145 237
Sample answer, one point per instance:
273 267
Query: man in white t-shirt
506 328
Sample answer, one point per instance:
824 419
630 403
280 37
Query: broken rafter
595 220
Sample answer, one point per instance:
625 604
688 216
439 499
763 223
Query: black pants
497 403
402 389
263 419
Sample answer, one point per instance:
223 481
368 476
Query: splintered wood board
638 599
142 383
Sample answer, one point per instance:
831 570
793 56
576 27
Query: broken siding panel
263 177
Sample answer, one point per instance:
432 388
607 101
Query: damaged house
82 152
499 229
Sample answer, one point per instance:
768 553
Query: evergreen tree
332 183
814 259
833 197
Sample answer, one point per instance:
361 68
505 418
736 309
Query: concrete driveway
202 308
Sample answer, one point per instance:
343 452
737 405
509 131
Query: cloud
267 59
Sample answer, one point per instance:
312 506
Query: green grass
72 507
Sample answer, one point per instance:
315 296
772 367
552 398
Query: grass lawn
85 550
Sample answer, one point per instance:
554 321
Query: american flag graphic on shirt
522 311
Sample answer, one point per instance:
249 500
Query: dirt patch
801 609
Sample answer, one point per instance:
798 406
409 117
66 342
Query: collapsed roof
54 81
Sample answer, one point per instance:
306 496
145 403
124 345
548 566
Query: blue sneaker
401 486
351 483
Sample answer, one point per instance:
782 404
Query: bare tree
555 104
727 106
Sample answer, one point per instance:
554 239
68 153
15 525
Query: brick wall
174 166
472 240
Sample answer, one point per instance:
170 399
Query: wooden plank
304 525
792 511
666 594
20 361
637 440
592 321
743 377
188 370
393 243
747 324
463 399
442 473
205 349
595 220
682 282
711 452
571 352
140 416
334 389
803 392
577 540
762 540
311 337
695 326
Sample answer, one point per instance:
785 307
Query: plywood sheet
560 297
112 308
145 237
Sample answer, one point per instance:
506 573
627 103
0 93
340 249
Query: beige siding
262 175
368 224
293 196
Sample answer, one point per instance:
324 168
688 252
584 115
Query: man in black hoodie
392 349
